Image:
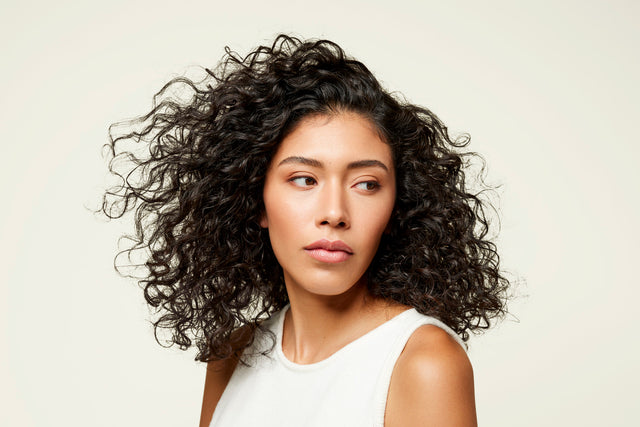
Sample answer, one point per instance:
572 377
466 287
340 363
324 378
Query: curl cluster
196 194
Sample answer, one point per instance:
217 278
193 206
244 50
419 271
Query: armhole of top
384 378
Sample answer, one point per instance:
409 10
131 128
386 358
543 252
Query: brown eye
303 181
368 185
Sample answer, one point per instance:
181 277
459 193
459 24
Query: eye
368 185
303 181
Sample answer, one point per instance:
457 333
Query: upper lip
325 244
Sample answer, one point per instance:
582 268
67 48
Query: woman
313 237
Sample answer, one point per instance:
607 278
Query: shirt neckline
337 354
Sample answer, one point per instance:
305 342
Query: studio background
547 90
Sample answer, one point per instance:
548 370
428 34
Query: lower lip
324 255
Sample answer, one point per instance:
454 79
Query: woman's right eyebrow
303 160
318 164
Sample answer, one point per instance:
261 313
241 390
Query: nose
333 207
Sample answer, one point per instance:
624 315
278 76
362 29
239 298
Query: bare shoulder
218 375
432 383
432 351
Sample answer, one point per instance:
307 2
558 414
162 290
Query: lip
329 252
327 245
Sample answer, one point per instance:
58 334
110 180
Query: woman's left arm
432 383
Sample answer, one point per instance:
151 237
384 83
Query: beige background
548 91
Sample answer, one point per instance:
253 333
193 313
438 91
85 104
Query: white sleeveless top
349 388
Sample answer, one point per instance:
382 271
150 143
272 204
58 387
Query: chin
325 285
328 291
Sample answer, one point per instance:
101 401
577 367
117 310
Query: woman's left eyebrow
318 164
366 164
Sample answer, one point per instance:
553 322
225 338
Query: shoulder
431 351
432 382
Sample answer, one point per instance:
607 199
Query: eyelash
376 185
295 178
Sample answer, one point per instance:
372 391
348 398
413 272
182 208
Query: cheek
283 216
374 221
286 223
378 213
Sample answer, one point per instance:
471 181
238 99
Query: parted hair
194 184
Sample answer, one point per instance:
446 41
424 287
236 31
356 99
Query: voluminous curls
196 194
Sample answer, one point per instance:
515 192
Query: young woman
312 235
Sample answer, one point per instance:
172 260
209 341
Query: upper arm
432 383
218 375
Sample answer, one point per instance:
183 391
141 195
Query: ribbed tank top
349 388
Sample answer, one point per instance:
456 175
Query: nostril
340 224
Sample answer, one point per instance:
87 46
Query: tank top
349 388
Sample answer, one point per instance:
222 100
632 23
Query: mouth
329 252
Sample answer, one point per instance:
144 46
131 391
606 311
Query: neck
316 326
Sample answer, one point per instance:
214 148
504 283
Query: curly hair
196 195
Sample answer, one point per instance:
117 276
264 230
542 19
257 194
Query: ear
387 229
264 222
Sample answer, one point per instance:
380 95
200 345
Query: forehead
338 138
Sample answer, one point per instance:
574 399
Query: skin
431 384
333 178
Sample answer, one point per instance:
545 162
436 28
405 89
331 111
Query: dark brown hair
197 197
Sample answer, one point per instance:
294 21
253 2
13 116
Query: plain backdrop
548 91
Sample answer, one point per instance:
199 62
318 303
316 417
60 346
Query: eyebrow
318 164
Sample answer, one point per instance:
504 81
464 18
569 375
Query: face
328 195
